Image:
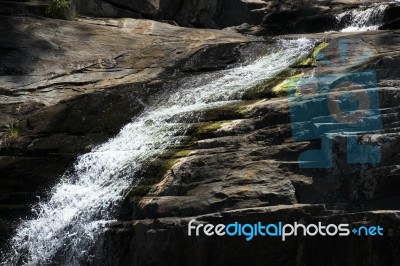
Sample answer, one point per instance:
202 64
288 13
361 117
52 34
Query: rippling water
364 19
69 222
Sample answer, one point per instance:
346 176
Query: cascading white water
82 202
367 19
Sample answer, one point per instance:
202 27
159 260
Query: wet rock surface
247 163
66 86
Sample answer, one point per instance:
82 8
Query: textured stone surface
165 241
68 85
250 16
45 58
246 170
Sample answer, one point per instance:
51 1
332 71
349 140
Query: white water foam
71 220
364 19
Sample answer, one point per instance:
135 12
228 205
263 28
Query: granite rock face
68 85
165 241
258 17
246 170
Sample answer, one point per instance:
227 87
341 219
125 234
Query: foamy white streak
368 19
68 223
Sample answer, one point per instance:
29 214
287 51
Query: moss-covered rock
204 129
311 61
279 85
265 89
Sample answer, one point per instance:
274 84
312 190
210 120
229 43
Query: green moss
181 154
281 88
244 106
11 129
264 89
230 111
278 85
169 164
319 48
312 60
205 129
226 112
187 143
182 150
57 9
242 109
10 132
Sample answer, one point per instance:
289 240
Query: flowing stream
364 19
72 218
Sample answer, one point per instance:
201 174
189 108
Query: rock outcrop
165 241
68 85
243 167
258 17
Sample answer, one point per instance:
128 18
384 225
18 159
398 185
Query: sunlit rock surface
247 163
68 85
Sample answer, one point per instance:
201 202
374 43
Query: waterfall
364 19
82 202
